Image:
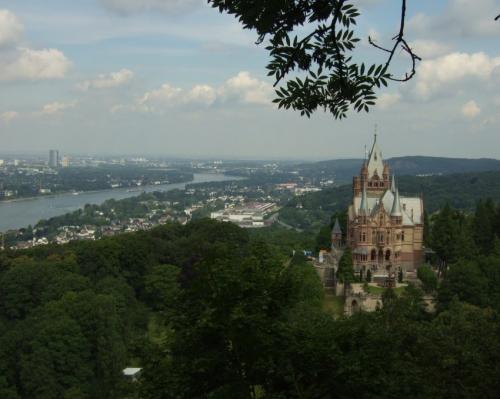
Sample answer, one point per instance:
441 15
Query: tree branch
399 40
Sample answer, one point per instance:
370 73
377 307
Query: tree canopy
312 43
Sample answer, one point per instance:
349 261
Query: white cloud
28 64
55 108
166 6
246 89
8 116
387 100
463 18
374 34
434 75
470 109
22 63
242 88
11 28
201 94
114 79
429 48
168 96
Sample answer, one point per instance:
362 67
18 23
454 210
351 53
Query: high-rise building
54 158
65 162
385 229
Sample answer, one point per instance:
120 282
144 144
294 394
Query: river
21 213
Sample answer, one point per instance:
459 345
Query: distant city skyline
178 79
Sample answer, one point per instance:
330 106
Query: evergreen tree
428 278
368 275
427 229
484 225
345 271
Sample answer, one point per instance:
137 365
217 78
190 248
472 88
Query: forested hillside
210 312
344 169
460 190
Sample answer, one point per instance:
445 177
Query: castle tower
336 235
384 229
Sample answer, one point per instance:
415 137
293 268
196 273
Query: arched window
374 254
388 254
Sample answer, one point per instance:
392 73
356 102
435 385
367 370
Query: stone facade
385 230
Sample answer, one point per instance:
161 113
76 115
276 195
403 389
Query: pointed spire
363 208
393 185
336 228
396 205
375 161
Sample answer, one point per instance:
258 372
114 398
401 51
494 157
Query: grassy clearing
372 289
333 304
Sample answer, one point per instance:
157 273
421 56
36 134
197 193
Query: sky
177 78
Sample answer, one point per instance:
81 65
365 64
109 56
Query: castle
384 229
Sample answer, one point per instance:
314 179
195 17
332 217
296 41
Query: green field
333 304
371 289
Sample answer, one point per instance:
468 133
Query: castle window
364 237
388 255
374 255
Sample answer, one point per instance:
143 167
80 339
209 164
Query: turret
385 175
393 185
396 213
336 234
364 172
363 208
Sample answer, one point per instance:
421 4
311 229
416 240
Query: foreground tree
316 40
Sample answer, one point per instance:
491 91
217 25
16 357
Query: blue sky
175 77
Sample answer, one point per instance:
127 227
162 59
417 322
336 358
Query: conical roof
336 228
375 162
363 208
393 185
396 205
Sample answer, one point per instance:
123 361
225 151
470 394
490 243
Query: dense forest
209 310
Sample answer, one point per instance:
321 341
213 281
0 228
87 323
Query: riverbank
137 190
24 212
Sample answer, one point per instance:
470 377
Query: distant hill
345 169
419 165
